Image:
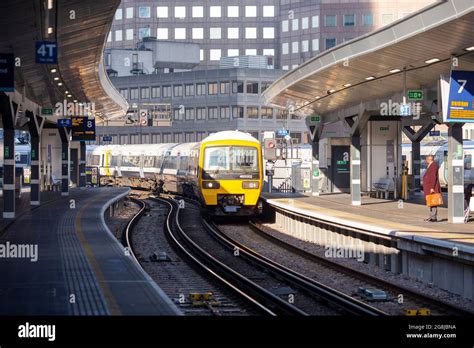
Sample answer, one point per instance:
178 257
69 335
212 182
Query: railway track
411 299
269 285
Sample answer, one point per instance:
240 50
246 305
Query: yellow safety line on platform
106 291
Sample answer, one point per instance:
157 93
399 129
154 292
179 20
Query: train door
74 168
340 163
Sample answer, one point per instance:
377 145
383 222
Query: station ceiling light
50 30
317 97
53 70
69 96
368 78
56 78
60 83
393 71
75 100
347 85
432 60
331 91
469 48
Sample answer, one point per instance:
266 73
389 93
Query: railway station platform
392 235
61 259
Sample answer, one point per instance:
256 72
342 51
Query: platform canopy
371 66
80 29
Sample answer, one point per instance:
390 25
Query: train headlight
210 184
250 184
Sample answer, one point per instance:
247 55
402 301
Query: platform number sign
461 97
46 52
83 128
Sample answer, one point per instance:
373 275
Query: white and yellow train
224 171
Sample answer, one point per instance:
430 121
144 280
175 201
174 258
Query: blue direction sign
435 133
64 122
6 72
46 52
282 132
107 138
461 97
405 110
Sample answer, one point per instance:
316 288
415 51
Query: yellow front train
230 177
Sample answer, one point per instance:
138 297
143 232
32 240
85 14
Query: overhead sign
107 138
282 132
64 122
46 52
435 133
405 109
7 64
46 111
460 107
415 94
313 120
83 128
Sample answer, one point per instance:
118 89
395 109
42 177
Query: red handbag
434 200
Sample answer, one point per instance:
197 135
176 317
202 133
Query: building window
129 34
250 11
200 113
145 93
284 26
331 42
285 67
189 114
315 21
119 14
166 90
285 48
201 55
124 92
198 11
252 112
349 20
178 137
143 32
268 11
167 137
315 44
305 23
252 87
129 12
268 33
162 33
189 90
133 93
250 33
212 88
180 12
109 37
237 112
368 20
155 92
237 87
178 90
295 24
296 136
295 47
250 52
180 33
215 33
232 33
266 113
118 35
268 52
213 113
215 11
387 18
215 54
281 114
225 112
232 11
200 89
305 46
225 87
330 21
233 52
198 33
189 137
144 12
162 12
178 114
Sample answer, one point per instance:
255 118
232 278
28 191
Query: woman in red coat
431 185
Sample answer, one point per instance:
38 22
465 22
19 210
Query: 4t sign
46 52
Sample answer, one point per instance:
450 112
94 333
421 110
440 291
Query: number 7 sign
460 106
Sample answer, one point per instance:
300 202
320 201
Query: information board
7 72
83 128
460 106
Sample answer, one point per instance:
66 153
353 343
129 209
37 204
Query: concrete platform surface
62 260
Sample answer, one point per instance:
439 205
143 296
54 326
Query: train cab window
216 158
148 161
244 159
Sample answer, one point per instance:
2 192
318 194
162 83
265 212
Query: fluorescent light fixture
69 96
332 90
66 92
50 30
53 70
60 83
50 4
370 78
393 71
432 60
75 100
347 85
469 48
317 97
56 78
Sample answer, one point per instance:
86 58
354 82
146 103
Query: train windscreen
231 162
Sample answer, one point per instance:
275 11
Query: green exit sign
415 94
313 120
47 111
